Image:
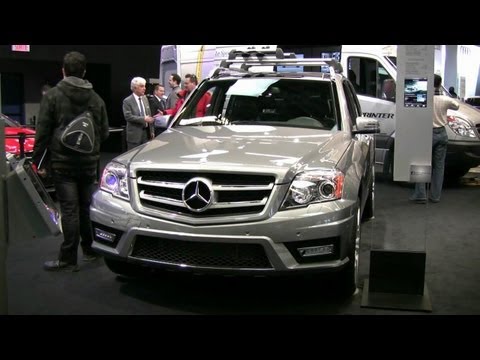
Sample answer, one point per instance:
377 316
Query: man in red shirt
190 83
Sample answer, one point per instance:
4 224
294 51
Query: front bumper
261 247
463 154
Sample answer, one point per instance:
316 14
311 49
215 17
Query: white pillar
450 78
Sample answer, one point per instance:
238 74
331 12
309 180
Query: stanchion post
3 224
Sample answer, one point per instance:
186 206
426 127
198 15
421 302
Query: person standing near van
388 89
441 103
174 81
452 92
190 82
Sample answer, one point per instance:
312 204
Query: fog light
104 235
315 250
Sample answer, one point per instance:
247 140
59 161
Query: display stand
397 261
397 281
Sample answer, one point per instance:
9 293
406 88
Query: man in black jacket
157 103
74 174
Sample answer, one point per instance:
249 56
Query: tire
369 209
453 174
348 280
123 268
388 167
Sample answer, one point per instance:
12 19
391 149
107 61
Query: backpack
79 134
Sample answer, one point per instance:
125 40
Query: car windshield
9 122
262 101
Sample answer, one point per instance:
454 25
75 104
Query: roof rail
252 51
247 59
215 72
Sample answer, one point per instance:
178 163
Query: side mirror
161 121
366 125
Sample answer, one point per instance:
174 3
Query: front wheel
453 174
369 209
388 166
348 277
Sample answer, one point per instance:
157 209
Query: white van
372 70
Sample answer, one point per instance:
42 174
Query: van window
369 77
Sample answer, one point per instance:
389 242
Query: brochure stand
32 212
397 281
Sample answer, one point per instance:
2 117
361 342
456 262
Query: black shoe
57 265
417 200
90 257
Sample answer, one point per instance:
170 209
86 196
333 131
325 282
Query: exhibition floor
448 231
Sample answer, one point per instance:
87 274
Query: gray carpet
448 231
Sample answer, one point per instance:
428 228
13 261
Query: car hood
467 112
280 151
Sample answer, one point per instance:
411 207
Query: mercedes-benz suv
274 179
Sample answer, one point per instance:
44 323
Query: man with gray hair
136 110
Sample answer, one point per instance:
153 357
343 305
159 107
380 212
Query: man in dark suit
157 103
174 81
136 110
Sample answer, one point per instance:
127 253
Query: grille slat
216 178
201 254
234 194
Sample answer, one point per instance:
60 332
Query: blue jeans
439 152
74 189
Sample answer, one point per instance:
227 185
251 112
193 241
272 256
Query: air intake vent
201 254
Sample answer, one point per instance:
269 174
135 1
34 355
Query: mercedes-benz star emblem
197 194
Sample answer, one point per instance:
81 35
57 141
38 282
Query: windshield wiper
205 121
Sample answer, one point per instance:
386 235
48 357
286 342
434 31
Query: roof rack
215 72
247 59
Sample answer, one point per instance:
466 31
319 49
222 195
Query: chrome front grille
232 194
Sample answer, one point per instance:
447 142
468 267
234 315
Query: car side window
205 99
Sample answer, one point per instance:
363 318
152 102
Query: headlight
313 187
461 127
115 180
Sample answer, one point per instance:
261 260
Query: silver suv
274 179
